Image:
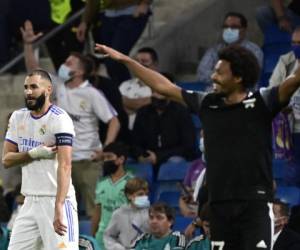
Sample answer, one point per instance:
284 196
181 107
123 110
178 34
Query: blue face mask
141 201
231 35
64 72
296 50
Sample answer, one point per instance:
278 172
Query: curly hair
243 63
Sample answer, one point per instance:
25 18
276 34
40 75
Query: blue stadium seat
181 223
290 195
85 227
171 198
195 86
142 170
278 169
264 79
274 35
173 171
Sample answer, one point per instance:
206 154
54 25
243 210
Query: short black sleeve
193 99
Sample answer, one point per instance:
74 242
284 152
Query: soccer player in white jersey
85 105
39 139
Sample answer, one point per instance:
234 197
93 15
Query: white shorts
33 228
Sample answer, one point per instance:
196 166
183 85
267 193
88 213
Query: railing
46 37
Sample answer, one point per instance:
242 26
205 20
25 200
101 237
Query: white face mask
231 35
141 201
64 72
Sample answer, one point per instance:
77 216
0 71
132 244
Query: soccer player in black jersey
238 142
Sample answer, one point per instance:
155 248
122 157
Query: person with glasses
234 31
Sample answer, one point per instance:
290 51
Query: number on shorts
218 244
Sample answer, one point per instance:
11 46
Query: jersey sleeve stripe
11 141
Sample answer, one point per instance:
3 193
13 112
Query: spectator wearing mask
233 32
110 189
130 220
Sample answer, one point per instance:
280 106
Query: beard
39 102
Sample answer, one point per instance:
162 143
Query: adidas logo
261 244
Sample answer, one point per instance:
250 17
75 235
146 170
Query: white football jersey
55 127
86 106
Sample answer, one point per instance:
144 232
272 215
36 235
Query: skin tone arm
289 86
11 157
64 155
113 130
283 22
154 80
96 219
28 38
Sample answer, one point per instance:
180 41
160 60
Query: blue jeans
266 17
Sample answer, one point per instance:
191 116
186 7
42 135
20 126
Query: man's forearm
112 131
278 8
63 182
91 9
30 61
14 159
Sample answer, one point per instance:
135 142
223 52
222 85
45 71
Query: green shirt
111 196
199 243
173 241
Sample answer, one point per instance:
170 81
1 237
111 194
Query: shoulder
57 111
179 238
288 58
250 45
195 241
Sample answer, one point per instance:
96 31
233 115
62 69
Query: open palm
28 33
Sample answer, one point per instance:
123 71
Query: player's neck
42 110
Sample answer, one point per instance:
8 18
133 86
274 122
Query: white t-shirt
134 89
85 105
55 127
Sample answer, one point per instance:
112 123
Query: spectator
85 105
110 189
233 32
122 23
135 94
286 66
161 236
162 130
202 242
113 95
287 17
130 220
284 238
4 238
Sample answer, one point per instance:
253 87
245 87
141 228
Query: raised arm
64 155
283 21
289 86
154 80
28 39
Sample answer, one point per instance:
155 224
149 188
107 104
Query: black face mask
39 103
160 104
109 168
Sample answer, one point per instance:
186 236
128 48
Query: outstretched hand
110 52
28 33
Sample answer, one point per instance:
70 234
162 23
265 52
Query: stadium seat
290 195
142 170
274 35
173 170
85 227
171 198
181 223
195 86
278 169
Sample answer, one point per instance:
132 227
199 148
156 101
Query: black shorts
241 225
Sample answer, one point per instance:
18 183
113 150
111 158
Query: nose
28 91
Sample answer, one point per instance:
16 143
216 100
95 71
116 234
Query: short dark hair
87 64
243 64
284 208
150 51
118 148
243 19
42 73
162 207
